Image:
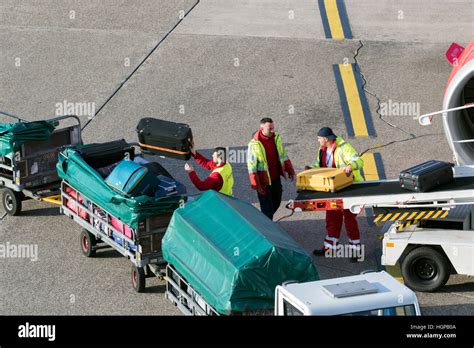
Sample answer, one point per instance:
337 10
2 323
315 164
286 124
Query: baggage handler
221 178
267 160
335 152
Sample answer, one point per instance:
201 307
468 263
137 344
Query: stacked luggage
135 176
133 179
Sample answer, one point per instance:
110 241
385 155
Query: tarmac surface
224 67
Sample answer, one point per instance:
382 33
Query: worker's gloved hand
189 168
348 170
261 191
291 177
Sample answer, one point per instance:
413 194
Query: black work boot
319 252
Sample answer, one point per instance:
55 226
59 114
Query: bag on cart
132 179
164 138
157 169
106 154
426 176
323 179
167 187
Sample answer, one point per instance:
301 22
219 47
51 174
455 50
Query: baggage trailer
182 295
30 173
142 245
132 225
216 268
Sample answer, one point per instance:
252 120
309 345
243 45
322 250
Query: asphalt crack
412 136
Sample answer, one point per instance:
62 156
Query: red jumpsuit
334 220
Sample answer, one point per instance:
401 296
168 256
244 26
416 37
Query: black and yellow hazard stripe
406 224
409 215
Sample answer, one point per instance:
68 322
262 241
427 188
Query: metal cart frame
146 261
183 296
15 174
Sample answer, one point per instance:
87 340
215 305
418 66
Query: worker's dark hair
266 120
221 151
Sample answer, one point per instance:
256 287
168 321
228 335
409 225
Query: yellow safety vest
257 159
344 155
228 180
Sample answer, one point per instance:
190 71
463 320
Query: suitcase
164 138
167 187
106 154
426 176
118 238
121 227
132 179
158 169
323 179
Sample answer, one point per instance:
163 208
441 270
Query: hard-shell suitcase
118 238
157 169
167 187
426 176
132 179
323 179
164 138
104 154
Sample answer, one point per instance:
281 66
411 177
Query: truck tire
11 202
87 240
425 269
138 278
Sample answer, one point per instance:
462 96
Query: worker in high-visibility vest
335 152
267 161
221 178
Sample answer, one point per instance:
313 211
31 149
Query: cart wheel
425 269
11 202
138 278
87 243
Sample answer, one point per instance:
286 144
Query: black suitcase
164 138
423 177
104 154
158 169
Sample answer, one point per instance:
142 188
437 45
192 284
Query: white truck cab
370 294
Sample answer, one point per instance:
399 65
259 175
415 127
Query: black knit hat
327 132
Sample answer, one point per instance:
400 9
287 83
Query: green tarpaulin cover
232 254
13 135
73 169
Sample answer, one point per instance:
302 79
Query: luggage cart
30 173
142 245
183 296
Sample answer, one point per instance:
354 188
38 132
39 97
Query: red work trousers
334 226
